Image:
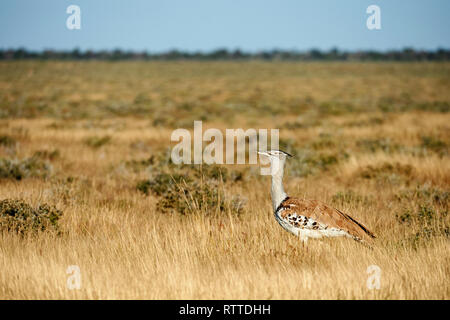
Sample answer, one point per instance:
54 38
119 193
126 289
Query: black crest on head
288 154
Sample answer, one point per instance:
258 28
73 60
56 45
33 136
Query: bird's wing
324 215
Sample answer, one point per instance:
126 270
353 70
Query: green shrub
215 173
387 104
372 121
143 186
435 145
424 214
425 193
308 162
138 165
212 172
18 216
189 193
161 184
46 154
97 142
7 141
435 106
187 188
385 170
425 223
25 168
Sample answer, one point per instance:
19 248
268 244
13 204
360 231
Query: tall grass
370 139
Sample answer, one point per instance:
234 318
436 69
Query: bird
309 218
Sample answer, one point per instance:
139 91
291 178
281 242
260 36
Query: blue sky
206 25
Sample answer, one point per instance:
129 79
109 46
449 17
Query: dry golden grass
127 249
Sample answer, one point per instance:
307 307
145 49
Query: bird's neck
278 194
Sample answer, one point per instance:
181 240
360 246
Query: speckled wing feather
325 216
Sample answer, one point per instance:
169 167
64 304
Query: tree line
407 54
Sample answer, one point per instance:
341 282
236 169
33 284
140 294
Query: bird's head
276 158
275 154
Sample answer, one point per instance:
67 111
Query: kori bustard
309 218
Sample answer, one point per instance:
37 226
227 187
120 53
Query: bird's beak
263 153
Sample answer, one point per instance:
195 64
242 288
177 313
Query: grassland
92 140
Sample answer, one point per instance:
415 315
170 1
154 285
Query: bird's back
315 219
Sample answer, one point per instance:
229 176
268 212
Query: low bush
435 145
425 222
385 170
308 162
186 193
25 168
18 216
97 142
7 141
47 154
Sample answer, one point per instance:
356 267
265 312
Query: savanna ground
92 140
